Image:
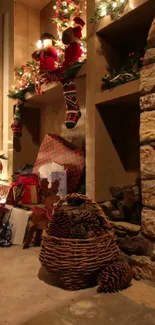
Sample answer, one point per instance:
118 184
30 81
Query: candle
47 42
39 44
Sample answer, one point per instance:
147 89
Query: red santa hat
79 21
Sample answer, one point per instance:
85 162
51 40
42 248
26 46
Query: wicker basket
74 263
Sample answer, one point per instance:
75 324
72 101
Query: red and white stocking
73 110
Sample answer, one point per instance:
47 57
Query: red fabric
72 54
77 32
56 149
79 21
47 61
27 180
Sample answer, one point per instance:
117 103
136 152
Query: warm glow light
103 11
122 1
54 7
131 6
3 200
114 4
39 44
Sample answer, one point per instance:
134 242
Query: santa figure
73 48
46 53
78 26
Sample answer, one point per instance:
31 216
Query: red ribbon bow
26 180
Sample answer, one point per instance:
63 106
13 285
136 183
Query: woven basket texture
75 263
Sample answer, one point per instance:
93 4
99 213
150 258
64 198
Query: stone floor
27 297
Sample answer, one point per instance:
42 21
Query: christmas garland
103 8
109 82
129 72
29 79
64 10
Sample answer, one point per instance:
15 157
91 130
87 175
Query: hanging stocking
17 123
73 110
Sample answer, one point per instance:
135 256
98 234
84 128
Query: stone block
149 56
151 35
116 215
148 193
108 205
153 253
138 245
147 79
147 161
118 191
143 267
148 223
147 102
147 127
126 227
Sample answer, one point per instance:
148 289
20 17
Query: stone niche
132 209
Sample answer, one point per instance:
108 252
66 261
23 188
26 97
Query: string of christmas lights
103 8
27 79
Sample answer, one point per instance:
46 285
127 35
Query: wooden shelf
134 24
51 92
126 93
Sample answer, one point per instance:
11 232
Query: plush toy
47 54
73 51
78 26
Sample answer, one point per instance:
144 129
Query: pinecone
79 232
114 277
86 216
60 226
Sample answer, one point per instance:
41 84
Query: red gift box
31 189
56 149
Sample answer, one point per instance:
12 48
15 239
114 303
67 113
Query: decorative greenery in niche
103 8
128 72
28 79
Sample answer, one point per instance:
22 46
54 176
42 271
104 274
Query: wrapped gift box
6 194
18 222
56 149
62 178
31 193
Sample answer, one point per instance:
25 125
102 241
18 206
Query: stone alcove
137 238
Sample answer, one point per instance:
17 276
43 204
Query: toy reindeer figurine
41 216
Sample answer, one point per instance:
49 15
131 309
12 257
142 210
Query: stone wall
147 155
137 241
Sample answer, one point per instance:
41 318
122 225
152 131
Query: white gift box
18 223
62 178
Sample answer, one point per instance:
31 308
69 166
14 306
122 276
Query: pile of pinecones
77 224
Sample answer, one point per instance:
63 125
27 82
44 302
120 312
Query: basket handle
84 198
